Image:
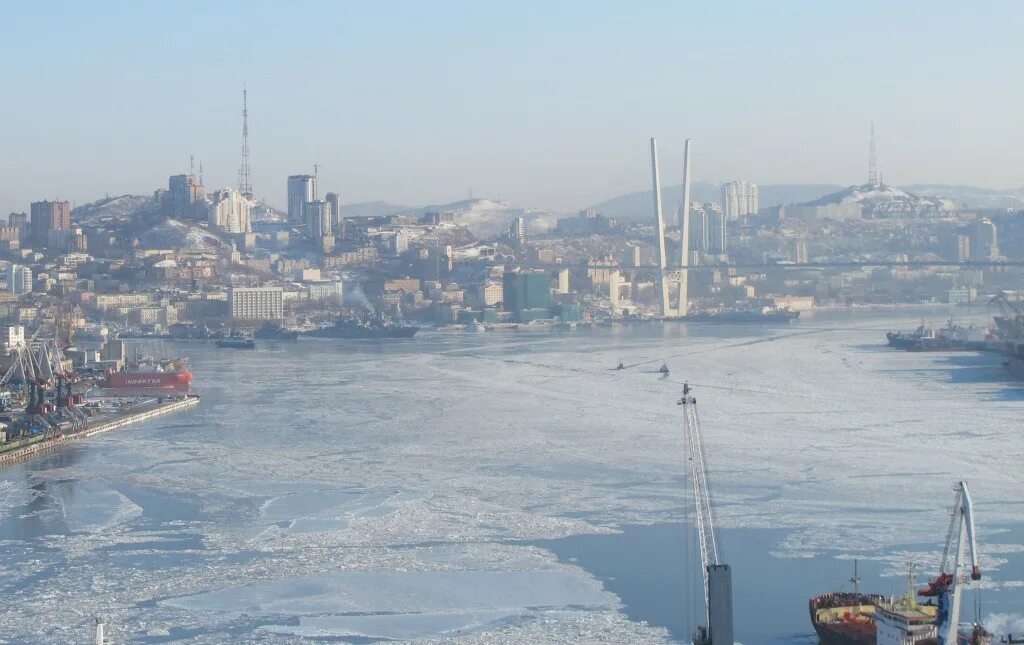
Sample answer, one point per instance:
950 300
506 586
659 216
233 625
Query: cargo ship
951 338
843 618
377 328
766 315
149 374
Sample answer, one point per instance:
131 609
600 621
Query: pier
43 446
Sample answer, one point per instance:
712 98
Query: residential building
717 224
49 216
19 279
984 242
800 255
739 199
256 303
185 198
12 337
317 214
699 232
325 290
337 222
301 190
493 292
517 231
230 211
959 249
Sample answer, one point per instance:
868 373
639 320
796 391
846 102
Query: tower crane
717 575
946 588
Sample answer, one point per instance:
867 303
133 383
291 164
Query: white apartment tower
19 280
739 199
230 211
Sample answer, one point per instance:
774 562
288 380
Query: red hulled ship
161 375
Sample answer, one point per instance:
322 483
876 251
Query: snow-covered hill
172 234
487 218
120 207
883 201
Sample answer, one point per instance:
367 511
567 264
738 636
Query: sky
544 104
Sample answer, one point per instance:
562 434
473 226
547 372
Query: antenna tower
243 171
873 160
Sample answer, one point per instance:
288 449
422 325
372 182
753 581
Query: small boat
664 369
236 342
620 366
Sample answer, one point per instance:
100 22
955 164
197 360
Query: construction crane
717 575
946 588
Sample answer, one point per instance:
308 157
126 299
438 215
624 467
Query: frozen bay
414 491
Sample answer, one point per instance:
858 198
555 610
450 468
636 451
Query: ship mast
717 575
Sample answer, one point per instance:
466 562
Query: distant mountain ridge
639 206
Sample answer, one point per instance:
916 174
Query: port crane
946 588
717 575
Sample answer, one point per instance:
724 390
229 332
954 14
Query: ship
377 328
766 315
843 618
149 374
951 338
271 331
236 342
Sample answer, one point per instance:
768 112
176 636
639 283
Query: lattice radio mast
243 171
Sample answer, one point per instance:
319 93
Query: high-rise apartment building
19 279
185 198
984 241
717 224
739 199
230 211
318 219
800 254
256 303
49 216
517 230
301 190
699 233
337 222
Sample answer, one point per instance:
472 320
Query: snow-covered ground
332 489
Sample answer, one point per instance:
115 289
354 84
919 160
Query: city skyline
544 107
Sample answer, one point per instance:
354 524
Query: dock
44 446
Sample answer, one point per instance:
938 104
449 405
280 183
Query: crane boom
717 576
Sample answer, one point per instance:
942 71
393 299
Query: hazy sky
546 104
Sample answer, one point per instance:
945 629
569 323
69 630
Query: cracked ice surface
331 489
